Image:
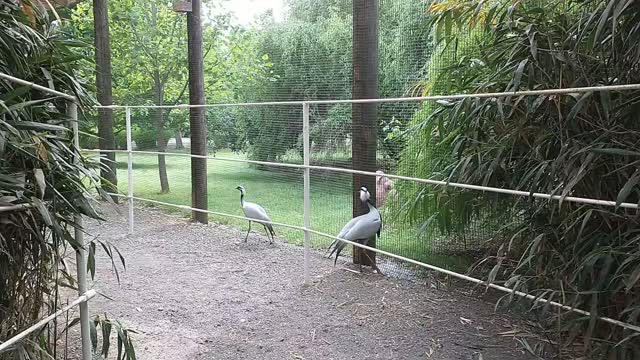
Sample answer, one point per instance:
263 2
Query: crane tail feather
339 245
332 252
330 246
270 227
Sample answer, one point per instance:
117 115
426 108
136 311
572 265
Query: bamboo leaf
42 185
93 333
14 93
615 151
518 75
605 101
628 187
120 346
585 221
39 126
425 225
71 324
46 216
604 17
533 45
494 272
515 235
578 106
106 334
91 260
626 339
122 260
579 175
131 352
447 26
634 277
121 337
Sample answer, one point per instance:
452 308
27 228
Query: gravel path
197 291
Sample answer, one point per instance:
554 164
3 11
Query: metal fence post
307 190
81 263
129 168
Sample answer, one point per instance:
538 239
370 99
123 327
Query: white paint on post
307 191
81 262
129 168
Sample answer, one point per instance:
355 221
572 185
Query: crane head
241 188
364 194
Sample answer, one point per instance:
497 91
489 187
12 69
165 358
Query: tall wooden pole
199 194
104 94
365 116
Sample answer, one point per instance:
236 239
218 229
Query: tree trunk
199 192
105 97
160 138
365 124
178 135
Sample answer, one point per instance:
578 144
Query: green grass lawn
279 192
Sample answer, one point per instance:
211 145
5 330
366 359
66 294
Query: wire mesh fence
261 149
267 158
310 56
330 157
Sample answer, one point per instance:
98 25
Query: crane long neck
371 206
242 198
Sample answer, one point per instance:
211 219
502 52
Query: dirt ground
197 291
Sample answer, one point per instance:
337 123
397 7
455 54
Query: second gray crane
258 214
359 229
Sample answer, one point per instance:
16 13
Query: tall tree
199 196
365 86
153 59
104 94
158 32
149 63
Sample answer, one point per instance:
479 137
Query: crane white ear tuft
364 195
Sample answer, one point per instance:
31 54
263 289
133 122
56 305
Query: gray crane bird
258 213
359 229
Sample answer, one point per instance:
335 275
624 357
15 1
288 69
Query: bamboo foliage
43 174
574 145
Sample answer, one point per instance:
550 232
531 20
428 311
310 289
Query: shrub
42 172
145 139
581 145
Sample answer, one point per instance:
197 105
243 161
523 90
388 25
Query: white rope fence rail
535 299
80 300
36 86
565 91
464 186
189 208
307 167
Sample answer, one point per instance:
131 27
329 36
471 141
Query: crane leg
248 231
373 264
267 232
